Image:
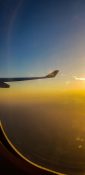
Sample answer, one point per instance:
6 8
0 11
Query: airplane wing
3 81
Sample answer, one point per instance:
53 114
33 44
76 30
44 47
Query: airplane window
42 81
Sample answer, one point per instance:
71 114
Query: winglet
52 74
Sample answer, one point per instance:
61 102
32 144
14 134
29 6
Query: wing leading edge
3 81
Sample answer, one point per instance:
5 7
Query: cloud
79 78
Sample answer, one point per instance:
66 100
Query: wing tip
52 74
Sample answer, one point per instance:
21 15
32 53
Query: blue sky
41 35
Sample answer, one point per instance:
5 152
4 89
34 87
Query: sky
38 36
